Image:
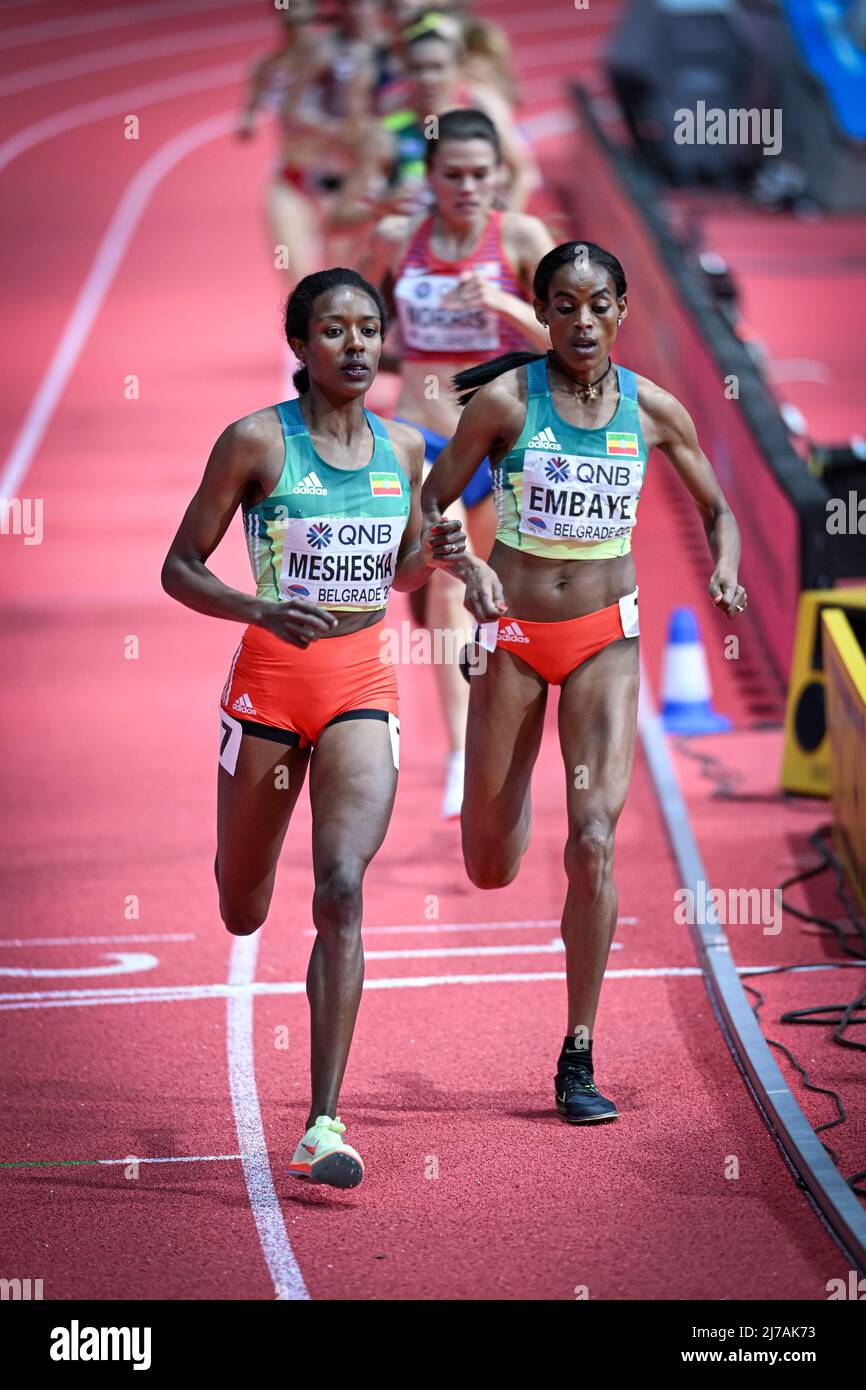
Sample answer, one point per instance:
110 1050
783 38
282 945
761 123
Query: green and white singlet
331 535
567 493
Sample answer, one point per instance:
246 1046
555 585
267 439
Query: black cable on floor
725 787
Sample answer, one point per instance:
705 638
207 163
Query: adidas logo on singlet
511 633
244 705
311 485
545 439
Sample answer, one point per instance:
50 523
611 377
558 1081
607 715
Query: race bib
428 326
575 497
345 561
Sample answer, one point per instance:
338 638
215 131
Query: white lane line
94 940
283 1267
93 292
172 994
194 40
551 948
118 104
112 1162
125 963
432 929
52 29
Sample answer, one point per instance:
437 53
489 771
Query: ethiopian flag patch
385 485
622 445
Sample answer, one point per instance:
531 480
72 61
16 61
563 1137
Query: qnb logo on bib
346 561
577 497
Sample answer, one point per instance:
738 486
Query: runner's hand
726 593
405 201
473 291
443 543
296 621
484 595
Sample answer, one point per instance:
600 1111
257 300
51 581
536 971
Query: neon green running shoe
322 1156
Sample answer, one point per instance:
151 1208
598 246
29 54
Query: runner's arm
236 462
492 419
384 249
677 438
246 125
422 549
493 414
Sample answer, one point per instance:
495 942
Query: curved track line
117 104
54 29
128 53
282 1265
125 963
279 1256
92 294
740 1029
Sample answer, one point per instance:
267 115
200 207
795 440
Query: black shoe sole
585 1119
335 1170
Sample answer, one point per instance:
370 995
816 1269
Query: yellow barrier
845 668
806 750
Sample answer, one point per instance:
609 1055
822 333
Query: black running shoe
579 1099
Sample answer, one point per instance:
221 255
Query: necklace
586 391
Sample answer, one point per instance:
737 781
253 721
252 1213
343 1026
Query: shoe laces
577 1076
325 1122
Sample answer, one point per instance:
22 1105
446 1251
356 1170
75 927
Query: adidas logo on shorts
545 439
511 633
311 485
244 705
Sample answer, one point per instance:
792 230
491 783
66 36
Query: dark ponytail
299 308
473 378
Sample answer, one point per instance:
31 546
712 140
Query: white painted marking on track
113 1162
431 929
171 994
53 29
112 59
283 1267
125 963
176 1158
90 299
552 948
119 103
94 940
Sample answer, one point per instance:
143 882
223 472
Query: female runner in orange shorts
568 435
329 495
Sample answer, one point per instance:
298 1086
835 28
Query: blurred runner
390 177
320 85
461 279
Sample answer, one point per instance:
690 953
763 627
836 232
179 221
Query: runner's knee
487 866
337 902
589 852
242 920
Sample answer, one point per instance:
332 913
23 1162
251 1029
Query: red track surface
474 1189
785 266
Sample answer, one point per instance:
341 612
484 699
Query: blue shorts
480 485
